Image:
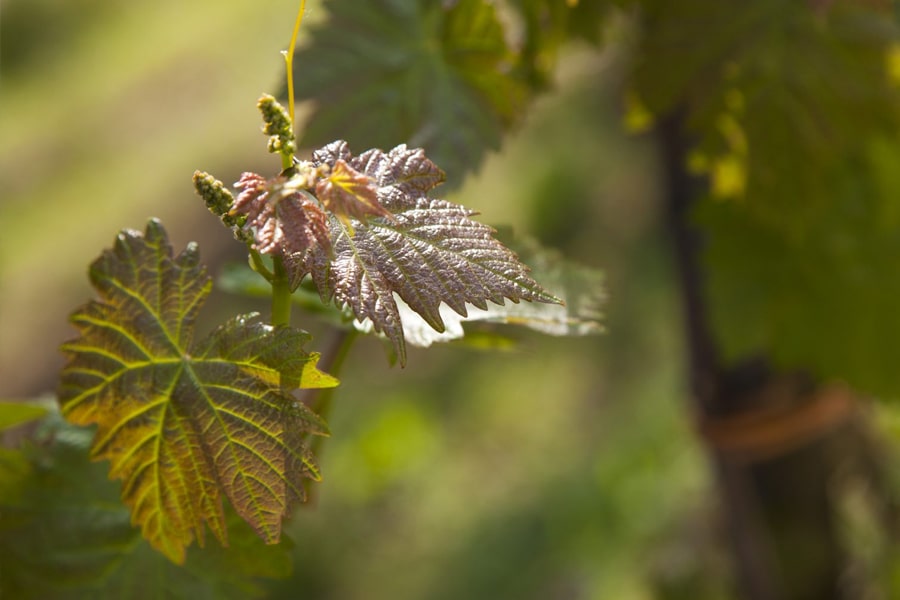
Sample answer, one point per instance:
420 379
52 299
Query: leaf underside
183 422
429 252
582 289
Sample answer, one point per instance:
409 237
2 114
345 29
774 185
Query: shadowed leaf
65 535
435 74
183 422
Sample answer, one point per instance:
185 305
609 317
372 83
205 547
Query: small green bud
218 199
219 202
277 124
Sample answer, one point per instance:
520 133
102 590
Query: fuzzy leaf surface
581 288
185 423
430 252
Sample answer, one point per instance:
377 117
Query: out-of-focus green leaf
792 108
547 25
433 74
185 423
16 413
64 534
582 289
824 301
776 93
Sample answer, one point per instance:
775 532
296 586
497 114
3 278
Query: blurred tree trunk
770 435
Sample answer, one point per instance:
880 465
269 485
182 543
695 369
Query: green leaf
823 302
65 534
433 74
17 413
183 422
793 110
775 94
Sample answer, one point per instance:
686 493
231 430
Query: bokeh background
561 468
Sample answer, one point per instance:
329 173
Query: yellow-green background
564 469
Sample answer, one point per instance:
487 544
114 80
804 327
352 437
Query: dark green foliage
430 74
793 110
65 534
824 300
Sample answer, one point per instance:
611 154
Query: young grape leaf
428 252
187 422
349 193
580 287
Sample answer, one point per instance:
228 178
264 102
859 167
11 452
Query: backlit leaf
348 193
581 288
430 252
186 423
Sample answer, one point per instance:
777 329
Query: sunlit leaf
185 423
279 219
430 252
581 289
348 193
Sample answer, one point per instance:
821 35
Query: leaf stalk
281 294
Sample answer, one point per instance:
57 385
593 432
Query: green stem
287 161
260 267
320 400
332 362
281 294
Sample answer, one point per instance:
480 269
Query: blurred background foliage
563 468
